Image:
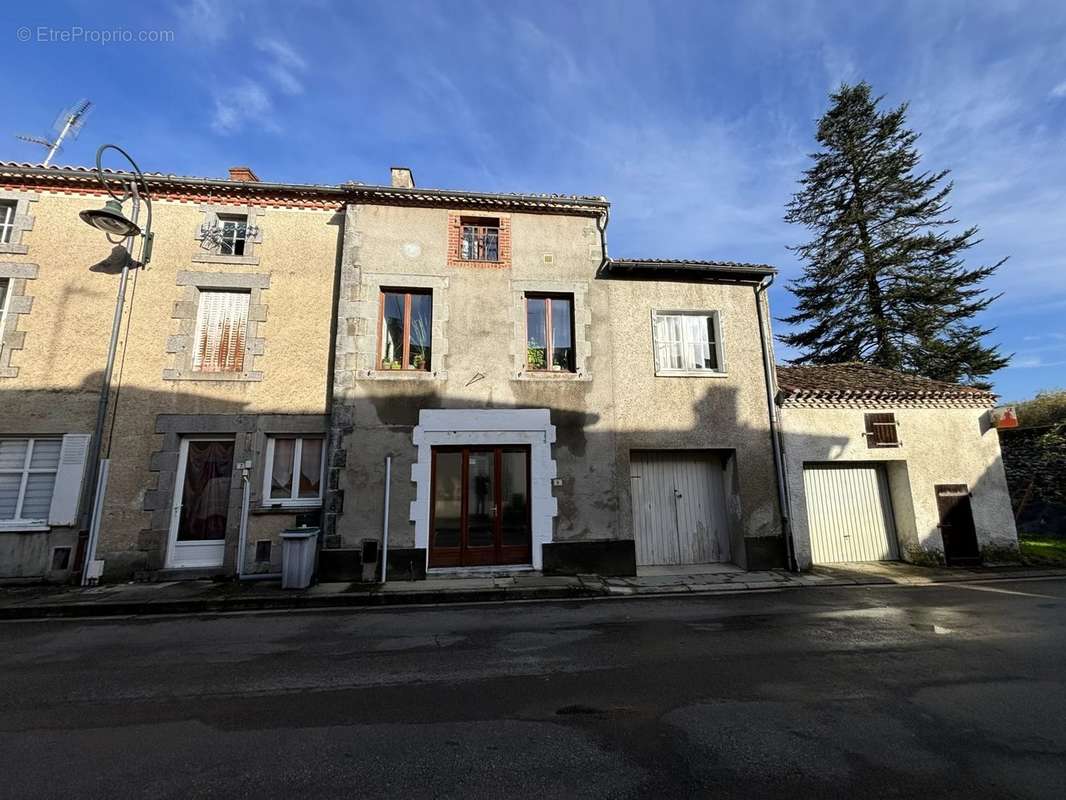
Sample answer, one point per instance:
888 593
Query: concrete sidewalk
209 597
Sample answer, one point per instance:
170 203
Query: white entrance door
200 513
849 513
679 507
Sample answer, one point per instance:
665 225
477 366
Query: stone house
466 380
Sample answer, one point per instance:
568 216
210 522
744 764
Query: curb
379 599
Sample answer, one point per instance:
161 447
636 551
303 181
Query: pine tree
884 281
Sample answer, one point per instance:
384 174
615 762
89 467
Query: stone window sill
9 248
401 375
211 377
25 527
547 375
302 508
689 373
215 258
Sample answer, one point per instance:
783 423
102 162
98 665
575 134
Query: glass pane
311 468
481 500
9 494
536 333
392 331
45 453
38 498
281 471
205 495
13 453
421 331
3 292
562 339
447 499
514 496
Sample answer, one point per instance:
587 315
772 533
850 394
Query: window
480 240
882 431
406 329
687 342
27 479
5 285
233 234
221 326
7 220
550 333
294 471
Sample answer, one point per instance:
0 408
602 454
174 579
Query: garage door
679 507
849 513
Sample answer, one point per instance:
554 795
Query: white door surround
191 554
527 426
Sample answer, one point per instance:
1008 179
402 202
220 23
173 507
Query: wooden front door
479 510
956 524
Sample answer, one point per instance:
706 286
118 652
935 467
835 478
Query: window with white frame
293 476
28 470
7 220
687 342
233 234
221 328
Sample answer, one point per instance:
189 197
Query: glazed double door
480 511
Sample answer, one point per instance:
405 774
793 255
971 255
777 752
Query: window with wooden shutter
881 430
221 327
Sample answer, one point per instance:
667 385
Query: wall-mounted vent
60 558
262 551
549 258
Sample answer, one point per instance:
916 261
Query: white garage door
849 513
679 507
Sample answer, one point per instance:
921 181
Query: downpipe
775 430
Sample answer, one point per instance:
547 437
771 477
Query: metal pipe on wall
385 521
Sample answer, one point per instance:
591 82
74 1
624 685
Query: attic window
233 234
480 239
882 430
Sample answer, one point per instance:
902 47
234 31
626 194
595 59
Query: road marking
999 591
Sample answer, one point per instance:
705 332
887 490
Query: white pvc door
200 514
679 508
849 513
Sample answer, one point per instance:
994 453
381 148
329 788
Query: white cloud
285 64
246 104
1060 90
208 21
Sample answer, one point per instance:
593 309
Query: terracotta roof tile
854 380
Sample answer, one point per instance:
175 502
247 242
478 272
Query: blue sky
693 118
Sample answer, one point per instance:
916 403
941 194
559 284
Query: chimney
242 174
402 178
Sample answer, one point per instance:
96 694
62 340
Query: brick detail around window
455 227
251 246
582 330
18 303
180 345
23 220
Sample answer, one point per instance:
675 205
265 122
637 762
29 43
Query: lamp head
110 219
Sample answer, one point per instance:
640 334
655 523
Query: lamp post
111 220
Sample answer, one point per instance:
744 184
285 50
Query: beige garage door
679 507
849 513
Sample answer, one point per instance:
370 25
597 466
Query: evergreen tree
884 281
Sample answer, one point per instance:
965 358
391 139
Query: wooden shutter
69 475
221 326
881 430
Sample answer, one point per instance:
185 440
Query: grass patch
1043 550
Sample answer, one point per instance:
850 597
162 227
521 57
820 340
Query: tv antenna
67 124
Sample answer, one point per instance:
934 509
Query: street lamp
112 221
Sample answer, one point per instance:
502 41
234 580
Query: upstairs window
233 234
5 284
687 342
882 430
480 239
28 470
221 327
294 471
406 329
550 333
7 220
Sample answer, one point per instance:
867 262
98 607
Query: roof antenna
68 123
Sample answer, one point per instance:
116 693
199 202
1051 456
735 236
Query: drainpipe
601 226
775 431
385 522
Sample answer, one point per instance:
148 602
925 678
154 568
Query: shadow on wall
144 431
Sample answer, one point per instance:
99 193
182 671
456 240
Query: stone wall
1035 462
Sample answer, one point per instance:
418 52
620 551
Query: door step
180 574
494 571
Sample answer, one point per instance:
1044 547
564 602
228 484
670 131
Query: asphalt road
943 691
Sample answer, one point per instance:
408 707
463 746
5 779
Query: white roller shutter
849 513
69 475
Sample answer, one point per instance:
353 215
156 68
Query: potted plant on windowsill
536 358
